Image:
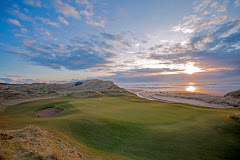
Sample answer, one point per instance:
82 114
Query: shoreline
199 99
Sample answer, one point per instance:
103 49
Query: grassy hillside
127 127
33 143
11 94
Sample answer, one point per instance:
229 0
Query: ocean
217 88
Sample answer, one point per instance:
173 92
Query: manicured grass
134 128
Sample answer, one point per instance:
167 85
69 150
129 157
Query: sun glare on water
191 89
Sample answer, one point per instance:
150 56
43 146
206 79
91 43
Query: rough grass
235 94
128 127
235 116
33 143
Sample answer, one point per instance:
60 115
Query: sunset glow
191 89
122 79
70 40
190 68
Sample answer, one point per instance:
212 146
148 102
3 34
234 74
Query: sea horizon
217 88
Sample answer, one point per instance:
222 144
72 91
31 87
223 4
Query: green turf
135 128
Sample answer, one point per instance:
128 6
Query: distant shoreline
199 99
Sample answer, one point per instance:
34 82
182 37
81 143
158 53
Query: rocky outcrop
13 93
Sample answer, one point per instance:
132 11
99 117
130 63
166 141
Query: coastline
199 99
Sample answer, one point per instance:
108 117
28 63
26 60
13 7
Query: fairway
129 127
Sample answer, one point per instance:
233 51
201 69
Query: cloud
89 18
237 3
213 45
192 23
66 9
47 33
13 76
191 19
21 81
47 21
222 32
205 12
75 56
156 47
28 42
36 3
88 13
24 30
26 10
188 22
15 22
222 8
128 53
62 20
218 49
77 59
216 20
86 3
21 35
101 23
94 51
214 4
20 15
202 6
113 37
14 79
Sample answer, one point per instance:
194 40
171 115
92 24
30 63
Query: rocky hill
14 93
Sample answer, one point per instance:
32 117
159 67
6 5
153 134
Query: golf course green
129 127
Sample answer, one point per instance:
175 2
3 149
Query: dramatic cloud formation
94 39
77 55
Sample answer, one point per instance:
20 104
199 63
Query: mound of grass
235 116
33 143
128 127
234 94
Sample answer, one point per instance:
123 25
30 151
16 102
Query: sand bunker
49 112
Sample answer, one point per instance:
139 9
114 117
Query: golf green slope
128 127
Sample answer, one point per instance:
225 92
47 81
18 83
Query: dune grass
128 127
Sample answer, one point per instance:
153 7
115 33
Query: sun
190 68
191 89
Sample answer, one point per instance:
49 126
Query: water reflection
191 89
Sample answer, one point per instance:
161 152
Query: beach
193 98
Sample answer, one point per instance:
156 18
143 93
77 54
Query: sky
126 41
